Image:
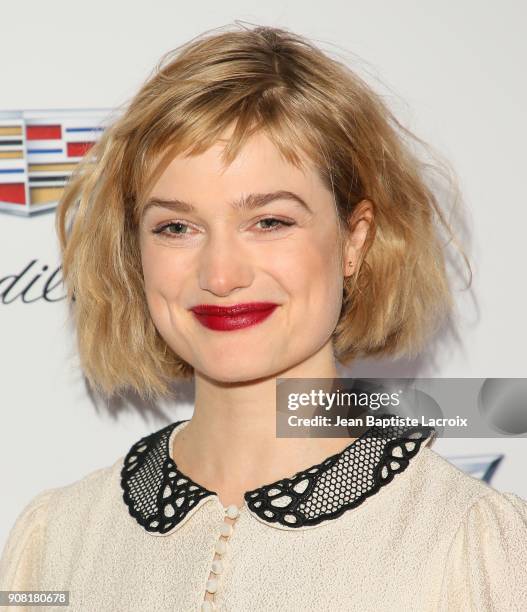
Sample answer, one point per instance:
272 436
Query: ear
359 223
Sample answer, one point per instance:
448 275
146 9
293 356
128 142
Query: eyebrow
249 202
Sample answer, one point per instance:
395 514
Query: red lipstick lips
229 318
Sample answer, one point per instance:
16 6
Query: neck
230 444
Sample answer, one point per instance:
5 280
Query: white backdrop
453 72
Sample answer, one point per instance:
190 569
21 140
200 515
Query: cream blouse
385 524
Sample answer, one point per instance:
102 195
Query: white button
212 585
226 530
217 566
220 547
207 606
232 511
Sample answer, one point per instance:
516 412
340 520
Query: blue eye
172 230
275 227
162 229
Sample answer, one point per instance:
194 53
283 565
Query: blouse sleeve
22 554
486 567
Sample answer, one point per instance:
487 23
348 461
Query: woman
257 213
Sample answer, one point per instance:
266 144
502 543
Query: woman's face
281 252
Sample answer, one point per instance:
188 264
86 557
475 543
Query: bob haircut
307 103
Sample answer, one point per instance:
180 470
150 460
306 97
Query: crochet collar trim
161 498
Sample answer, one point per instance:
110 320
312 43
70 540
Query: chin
236 372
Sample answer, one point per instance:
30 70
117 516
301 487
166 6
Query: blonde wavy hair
269 79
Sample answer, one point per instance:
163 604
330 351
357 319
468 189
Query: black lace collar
160 497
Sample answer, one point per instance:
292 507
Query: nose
224 265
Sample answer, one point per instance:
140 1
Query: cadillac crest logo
39 150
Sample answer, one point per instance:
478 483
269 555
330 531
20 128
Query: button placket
232 512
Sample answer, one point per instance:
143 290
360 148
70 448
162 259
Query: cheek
163 288
314 281
324 290
162 277
316 266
